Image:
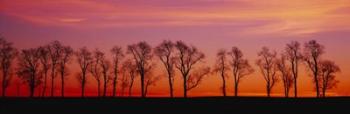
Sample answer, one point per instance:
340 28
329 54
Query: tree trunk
32 86
324 92
115 85
4 84
316 78
223 85
146 88
143 85
286 91
268 90
236 89
284 87
295 79
83 86
52 81
105 87
3 90
18 89
52 86
62 84
185 87
115 79
45 83
130 88
317 86
99 88
170 85
295 87
31 91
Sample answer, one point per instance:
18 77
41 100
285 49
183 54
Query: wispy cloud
297 17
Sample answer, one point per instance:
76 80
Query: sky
207 24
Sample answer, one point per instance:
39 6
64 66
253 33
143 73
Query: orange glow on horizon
207 24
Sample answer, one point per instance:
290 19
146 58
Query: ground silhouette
175 105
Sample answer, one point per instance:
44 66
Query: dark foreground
240 105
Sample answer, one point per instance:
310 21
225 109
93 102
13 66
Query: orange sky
207 24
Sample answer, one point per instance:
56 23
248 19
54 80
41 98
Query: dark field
176 105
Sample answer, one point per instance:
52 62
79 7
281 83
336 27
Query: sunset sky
207 24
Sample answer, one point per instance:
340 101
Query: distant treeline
35 66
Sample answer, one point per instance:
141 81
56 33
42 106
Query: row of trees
287 63
36 65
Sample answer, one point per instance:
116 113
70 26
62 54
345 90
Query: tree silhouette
117 54
312 54
150 79
186 58
221 67
45 63
165 53
130 68
327 75
7 56
84 58
266 63
28 68
80 79
18 84
293 56
286 74
196 77
105 65
66 53
36 64
142 54
129 73
96 70
124 80
240 67
55 53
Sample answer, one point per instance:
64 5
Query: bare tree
84 58
130 68
132 74
240 67
267 66
96 70
196 77
327 75
150 78
286 74
117 56
79 77
129 73
105 65
7 56
221 67
66 53
28 68
312 54
142 54
293 56
55 53
124 80
151 81
45 63
186 58
18 84
165 53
